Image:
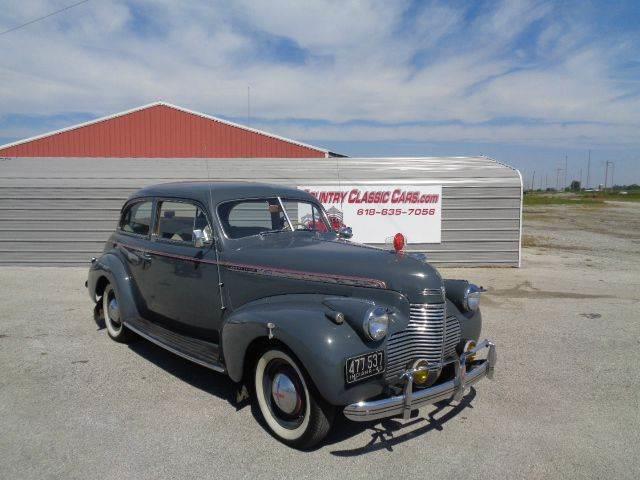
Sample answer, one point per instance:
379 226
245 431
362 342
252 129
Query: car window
305 216
178 220
136 218
244 218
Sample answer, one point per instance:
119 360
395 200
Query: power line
42 18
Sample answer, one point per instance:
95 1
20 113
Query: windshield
244 218
305 216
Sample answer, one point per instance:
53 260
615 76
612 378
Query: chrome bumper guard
409 400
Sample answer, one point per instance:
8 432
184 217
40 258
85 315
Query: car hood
324 254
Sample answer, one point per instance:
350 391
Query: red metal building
160 130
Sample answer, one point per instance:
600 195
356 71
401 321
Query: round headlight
472 297
376 323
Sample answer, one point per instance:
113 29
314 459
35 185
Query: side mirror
201 238
345 232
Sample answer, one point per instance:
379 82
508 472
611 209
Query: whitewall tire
287 401
113 318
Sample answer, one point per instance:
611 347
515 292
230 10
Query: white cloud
384 62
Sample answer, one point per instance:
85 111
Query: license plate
364 366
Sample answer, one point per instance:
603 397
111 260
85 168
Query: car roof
220 192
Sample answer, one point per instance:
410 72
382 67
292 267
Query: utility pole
580 179
565 171
533 181
606 174
588 168
558 170
546 181
613 171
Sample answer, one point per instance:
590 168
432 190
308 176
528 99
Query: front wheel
112 317
292 409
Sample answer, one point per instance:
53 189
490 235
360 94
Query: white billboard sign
377 212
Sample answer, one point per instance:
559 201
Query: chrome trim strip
407 402
271 271
143 334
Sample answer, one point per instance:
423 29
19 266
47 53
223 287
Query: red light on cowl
398 242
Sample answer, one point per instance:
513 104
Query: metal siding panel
42 224
262 147
132 135
239 143
68 245
51 235
179 141
40 198
144 130
253 145
81 143
202 146
162 123
176 141
218 130
225 148
474 224
450 203
245 144
169 128
480 235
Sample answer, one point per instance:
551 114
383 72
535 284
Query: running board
198 351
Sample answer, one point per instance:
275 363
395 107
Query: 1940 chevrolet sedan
253 281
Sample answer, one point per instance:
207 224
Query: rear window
136 218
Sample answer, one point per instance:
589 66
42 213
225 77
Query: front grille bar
424 337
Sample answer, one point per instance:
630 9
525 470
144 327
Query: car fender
322 345
113 268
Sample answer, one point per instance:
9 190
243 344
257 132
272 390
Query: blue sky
526 82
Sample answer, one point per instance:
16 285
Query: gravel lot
564 403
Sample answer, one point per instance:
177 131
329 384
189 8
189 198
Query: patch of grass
578 198
530 241
533 199
630 197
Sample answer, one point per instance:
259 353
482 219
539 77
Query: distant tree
575 186
633 186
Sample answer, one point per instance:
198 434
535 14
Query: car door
184 278
132 240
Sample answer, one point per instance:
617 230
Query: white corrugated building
60 210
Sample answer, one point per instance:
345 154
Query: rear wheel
112 317
292 409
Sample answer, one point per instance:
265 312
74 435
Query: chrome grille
423 338
452 336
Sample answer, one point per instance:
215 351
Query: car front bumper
466 375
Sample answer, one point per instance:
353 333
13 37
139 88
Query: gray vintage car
252 281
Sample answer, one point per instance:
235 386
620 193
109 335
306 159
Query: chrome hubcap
284 394
114 311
